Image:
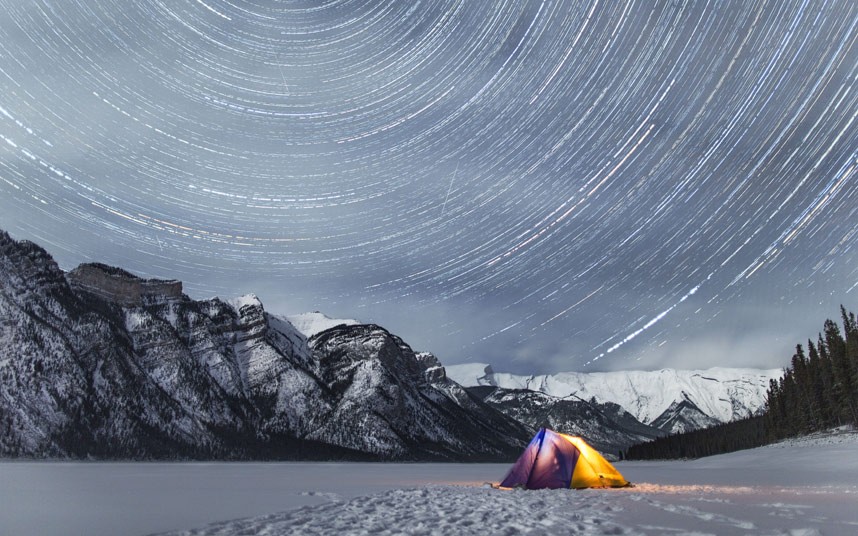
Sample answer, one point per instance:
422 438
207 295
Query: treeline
818 391
736 435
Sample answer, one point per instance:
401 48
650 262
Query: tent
555 460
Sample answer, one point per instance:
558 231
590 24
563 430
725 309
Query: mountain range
99 363
666 401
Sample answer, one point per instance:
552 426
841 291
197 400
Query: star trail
543 185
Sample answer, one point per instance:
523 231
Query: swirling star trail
544 185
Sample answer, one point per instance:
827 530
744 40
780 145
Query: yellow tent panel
592 469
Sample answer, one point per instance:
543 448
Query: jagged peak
27 265
646 395
7 243
247 300
310 324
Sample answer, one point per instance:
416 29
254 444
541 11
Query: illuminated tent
554 460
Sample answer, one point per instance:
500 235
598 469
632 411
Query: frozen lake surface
802 488
101 499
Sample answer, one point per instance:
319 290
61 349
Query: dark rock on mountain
607 427
118 286
377 384
684 416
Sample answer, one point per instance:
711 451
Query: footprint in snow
701 515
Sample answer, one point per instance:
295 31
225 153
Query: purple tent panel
547 462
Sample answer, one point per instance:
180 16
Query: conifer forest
818 391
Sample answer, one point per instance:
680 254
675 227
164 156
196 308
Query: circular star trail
545 185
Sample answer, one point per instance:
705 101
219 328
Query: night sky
542 185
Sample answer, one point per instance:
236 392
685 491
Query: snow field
806 487
310 324
439 510
650 509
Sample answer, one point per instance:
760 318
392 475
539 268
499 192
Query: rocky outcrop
433 371
120 287
606 427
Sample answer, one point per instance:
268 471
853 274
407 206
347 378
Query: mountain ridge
672 400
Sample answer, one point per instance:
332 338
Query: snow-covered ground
799 488
310 324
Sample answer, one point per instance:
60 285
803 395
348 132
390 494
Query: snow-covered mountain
668 399
310 324
100 363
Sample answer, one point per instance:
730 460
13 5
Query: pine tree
827 374
842 370
773 410
815 367
805 420
850 330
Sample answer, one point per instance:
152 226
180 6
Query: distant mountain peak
248 300
310 324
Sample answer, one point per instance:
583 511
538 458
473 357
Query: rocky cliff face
607 427
72 385
100 363
376 383
123 288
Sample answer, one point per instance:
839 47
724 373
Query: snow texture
801 487
313 323
248 300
